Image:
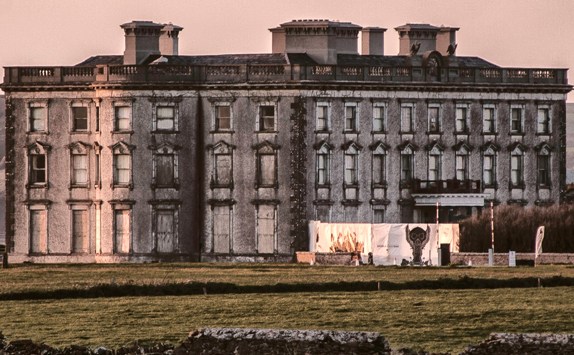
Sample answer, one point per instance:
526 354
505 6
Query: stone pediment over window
79 147
122 148
543 148
37 148
490 148
351 146
517 148
266 147
435 148
462 147
323 146
407 147
221 147
165 148
379 147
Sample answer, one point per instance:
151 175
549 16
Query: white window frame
122 148
216 106
519 153
327 119
438 157
489 152
258 124
115 229
407 151
266 149
412 123
492 107
522 112
544 152
115 106
79 104
437 106
549 123
383 109
353 151
30 107
37 149
381 152
79 149
466 128
325 151
466 161
159 104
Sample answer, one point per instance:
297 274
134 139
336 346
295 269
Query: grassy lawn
433 319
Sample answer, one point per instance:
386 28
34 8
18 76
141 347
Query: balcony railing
446 186
278 73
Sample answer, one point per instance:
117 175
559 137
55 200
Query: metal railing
446 186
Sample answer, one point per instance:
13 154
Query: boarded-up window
80 169
323 213
122 231
37 119
223 117
165 231
265 229
378 169
351 214
80 118
122 167
165 118
222 169
164 169
221 229
378 216
38 169
267 169
38 240
406 119
122 118
79 231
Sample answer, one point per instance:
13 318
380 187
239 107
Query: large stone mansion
152 155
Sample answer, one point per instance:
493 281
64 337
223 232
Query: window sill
406 132
323 131
170 186
222 131
37 186
122 186
543 133
76 186
544 187
382 185
323 186
462 132
221 186
45 133
272 132
80 132
350 186
379 132
489 133
521 186
438 133
122 132
517 134
260 186
165 131
350 131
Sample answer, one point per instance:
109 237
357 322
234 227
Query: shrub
515 229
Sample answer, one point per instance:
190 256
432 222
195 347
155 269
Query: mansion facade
152 155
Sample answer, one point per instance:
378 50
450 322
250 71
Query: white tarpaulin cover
385 240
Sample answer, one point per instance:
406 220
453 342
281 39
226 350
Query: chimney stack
145 38
373 41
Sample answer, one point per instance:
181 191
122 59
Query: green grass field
437 316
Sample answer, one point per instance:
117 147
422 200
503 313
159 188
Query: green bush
515 229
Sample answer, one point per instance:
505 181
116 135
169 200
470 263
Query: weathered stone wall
501 259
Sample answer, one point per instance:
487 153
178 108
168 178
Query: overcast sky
509 33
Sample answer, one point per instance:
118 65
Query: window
222 118
122 231
543 121
516 170
165 164
489 169
165 230
222 229
516 119
79 231
122 164
79 119
378 216
488 119
544 173
323 213
379 164
266 229
38 230
461 166
97 168
37 164
222 175
462 119
379 117
351 117
80 169
123 118
434 118
323 116
37 118
406 167
351 169
165 118
407 117
323 165
266 165
164 169
434 167
266 118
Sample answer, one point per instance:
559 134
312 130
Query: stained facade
159 156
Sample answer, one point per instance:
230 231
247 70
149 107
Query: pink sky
509 33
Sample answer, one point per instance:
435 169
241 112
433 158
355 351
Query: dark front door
445 254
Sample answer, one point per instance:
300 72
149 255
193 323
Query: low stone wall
326 258
524 344
501 259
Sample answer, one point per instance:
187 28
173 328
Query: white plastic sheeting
388 242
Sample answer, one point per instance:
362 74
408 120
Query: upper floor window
407 118
517 165
462 118
122 118
435 162
543 166
122 153
267 118
79 164
165 118
516 119
323 165
351 117
488 119
222 117
351 164
322 116
222 175
543 121
37 164
379 164
79 118
379 117
489 156
165 166
38 117
407 150
434 118
266 170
